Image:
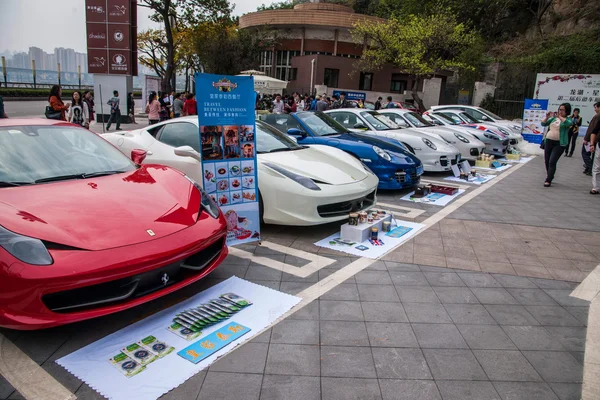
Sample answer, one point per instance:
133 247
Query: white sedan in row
435 154
298 185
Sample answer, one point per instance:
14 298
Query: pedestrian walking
595 150
2 111
78 112
378 103
573 132
556 139
153 109
177 105
89 100
390 103
278 105
57 109
115 111
586 154
290 106
191 106
322 104
131 107
163 99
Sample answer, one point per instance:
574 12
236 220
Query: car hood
417 136
319 163
105 212
386 143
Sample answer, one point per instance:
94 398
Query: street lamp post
4 71
79 75
58 74
33 72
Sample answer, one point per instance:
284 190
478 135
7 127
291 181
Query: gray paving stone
84 392
395 389
439 336
532 338
260 272
249 358
377 266
340 310
443 279
572 338
486 337
391 334
552 284
511 281
400 363
506 365
408 278
296 332
347 362
344 333
309 311
264 337
417 294
373 278
344 291
467 390
567 391
511 315
187 390
325 272
453 365
377 311
581 313
552 316
378 293
426 313
469 314
291 359
396 266
493 296
579 356
275 285
223 385
5 388
524 391
277 387
294 287
350 389
556 366
532 297
562 297
455 295
479 280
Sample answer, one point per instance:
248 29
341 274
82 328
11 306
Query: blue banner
214 342
535 111
351 95
227 133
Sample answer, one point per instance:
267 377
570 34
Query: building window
293 74
399 85
284 64
266 62
366 81
331 77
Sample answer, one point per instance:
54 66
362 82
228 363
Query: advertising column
533 115
227 136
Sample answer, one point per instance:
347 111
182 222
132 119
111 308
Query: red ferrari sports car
85 232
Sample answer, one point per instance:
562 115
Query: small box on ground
514 157
361 232
483 164
449 190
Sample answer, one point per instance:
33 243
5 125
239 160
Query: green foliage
43 93
187 12
489 103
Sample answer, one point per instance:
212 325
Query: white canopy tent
265 84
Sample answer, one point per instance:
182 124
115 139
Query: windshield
469 118
270 140
33 153
447 119
488 113
321 124
416 120
432 120
378 121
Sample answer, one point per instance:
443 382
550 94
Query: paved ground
475 307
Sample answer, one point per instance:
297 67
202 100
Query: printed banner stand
533 115
226 117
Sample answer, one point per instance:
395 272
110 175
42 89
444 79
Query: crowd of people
162 106
297 102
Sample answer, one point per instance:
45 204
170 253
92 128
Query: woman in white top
79 113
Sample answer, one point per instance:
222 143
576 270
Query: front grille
444 161
474 152
404 177
455 160
338 209
506 142
514 141
126 289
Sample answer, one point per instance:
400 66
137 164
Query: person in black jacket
573 132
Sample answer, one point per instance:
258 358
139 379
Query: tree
177 15
418 45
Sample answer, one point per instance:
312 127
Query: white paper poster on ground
91 363
500 169
436 199
475 180
368 250
523 160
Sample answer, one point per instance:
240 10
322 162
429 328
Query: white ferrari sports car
298 185
435 154
496 143
469 146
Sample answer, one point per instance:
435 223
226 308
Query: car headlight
205 201
461 138
429 144
303 180
491 136
382 153
27 249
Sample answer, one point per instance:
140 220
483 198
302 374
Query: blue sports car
395 166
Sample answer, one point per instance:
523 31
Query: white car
482 115
298 185
469 146
496 143
435 154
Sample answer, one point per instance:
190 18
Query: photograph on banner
533 114
226 118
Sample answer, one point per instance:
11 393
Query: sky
61 23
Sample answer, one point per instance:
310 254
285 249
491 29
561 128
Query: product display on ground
476 180
499 169
523 160
436 199
141 361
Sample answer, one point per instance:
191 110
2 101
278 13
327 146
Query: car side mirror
297 132
138 156
361 126
187 151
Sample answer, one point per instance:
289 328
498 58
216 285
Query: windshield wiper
77 176
13 184
101 173
280 150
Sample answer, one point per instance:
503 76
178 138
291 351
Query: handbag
52 114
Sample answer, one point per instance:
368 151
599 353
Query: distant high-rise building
39 55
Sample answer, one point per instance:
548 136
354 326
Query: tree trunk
415 95
170 70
